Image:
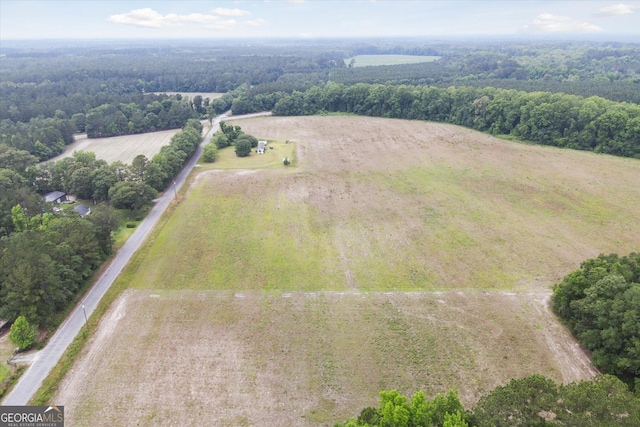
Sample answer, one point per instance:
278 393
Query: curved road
48 357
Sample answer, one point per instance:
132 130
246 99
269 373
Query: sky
131 19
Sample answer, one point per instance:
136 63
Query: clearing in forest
373 60
123 148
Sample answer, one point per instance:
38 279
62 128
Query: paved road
48 357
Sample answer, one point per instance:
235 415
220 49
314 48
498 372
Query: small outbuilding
261 146
82 210
55 197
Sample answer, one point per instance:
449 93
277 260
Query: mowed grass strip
299 359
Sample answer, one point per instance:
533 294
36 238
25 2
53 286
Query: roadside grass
127 223
4 368
51 383
10 379
373 60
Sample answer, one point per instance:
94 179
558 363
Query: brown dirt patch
304 359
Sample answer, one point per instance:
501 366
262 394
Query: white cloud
229 12
616 9
146 17
256 22
149 18
549 23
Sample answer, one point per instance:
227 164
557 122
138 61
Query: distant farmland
191 95
394 255
124 148
373 60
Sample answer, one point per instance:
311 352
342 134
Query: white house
261 146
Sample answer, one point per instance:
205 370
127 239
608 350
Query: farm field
373 60
191 95
254 358
123 148
395 254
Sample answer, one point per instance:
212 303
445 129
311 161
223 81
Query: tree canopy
600 302
603 401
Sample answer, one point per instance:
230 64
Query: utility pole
86 322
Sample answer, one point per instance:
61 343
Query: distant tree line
600 303
608 70
149 115
532 401
561 120
44 138
47 137
50 91
46 256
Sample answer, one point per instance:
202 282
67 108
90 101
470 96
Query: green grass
10 379
373 60
447 228
4 369
243 242
50 384
272 158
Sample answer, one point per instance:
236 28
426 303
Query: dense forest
48 253
546 118
52 90
600 302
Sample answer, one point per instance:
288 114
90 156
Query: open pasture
123 148
396 254
373 60
191 95
380 204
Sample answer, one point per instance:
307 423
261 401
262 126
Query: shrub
210 153
23 334
243 148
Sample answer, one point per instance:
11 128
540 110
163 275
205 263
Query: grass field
191 95
395 254
123 148
373 60
230 358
